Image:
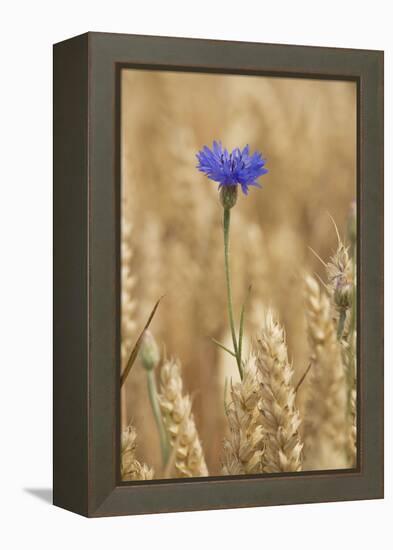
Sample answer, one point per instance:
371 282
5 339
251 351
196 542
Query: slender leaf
223 347
135 350
241 327
303 377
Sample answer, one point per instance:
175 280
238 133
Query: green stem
341 324
354 297
153 396
241 326
227 220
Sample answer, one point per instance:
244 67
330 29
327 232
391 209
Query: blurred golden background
172 241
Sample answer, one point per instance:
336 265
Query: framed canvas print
218 274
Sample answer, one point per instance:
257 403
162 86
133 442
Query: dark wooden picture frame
86 274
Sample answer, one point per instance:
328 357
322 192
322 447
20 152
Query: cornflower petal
235 168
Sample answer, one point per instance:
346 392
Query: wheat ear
179 421
279 415
127 304
131 468
127 291
340 275
326 427
243 447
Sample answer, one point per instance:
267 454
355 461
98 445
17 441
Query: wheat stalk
179 421
351 377
341 273
279 415
326 427
131 468
352 452
243 447
348 354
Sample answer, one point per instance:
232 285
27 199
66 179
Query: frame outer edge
70 271
371 245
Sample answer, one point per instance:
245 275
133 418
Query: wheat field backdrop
172 245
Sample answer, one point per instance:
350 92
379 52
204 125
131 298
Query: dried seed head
279 415
180 424
343 296
244 446
341 278
131 468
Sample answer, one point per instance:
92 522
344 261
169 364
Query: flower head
231 169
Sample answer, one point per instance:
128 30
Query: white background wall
27 31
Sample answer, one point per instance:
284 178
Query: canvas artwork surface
238 275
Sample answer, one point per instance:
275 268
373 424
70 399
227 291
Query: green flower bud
149 352
228 196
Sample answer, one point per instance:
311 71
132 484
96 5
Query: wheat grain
131 468
243 447
279 415
326 426
180 424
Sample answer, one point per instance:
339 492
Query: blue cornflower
231 169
